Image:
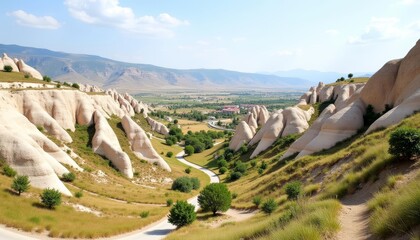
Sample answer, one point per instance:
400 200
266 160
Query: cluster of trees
213 198
350 76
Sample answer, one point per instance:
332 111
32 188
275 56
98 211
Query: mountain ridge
133 77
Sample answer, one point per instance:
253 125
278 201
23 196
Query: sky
242 35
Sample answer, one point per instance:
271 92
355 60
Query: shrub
253 163
175 121
169 202
405 142
240 167
46 78
144 214
169 154
7 68
235 176
263 165
195 183
8 171
182 184
215 197
260 171
58 85
21 184
189 150
222 163
234 195
223 170
51 198
293 189
26 75
188 170
68 177
169 142
257 200
243 149
78 194
181 214
75 85
269 206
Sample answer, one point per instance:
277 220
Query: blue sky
242 35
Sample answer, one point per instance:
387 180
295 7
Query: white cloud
29 20
379 29
332 32
110 13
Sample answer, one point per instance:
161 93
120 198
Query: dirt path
354 221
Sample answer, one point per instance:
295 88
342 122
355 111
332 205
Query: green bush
243 149
235 176
263 165
26 75
58 85
260 171
189 150
144 214
195 183
222 163
293 190
75 85
169 154
7 68
8 171
405 142
182 184
223 170
215 197
181 214
240 167
68 177
234 195
188 170
169 202
269 206
46 78
21 184
253 163
51 198
257 200
78 194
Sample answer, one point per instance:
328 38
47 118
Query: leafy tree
8 171
215 197
405 142
181 214
269 206
176 121
342 79
68 177
257 200
7 68
51 198
46 78
240 167
169 154
350 75
293 189
235 176
21 184
182 184
75 85
253 163
223 170
222 163
189 150
243 149
79 194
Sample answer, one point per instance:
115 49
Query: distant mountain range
317 76
134 78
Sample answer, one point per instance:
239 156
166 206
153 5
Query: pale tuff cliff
396 85
26 149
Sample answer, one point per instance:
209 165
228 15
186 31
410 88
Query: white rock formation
140 143
7 61
157 126
23 67
243 135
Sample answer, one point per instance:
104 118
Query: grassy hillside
360 161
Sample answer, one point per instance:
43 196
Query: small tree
215 197
176 121
169 154
189 150
188 170
350 75
21 184
269 206
46 78
195 183
342 79
7 68
181 214
293 189
257 201
169 202
223 170
75 85
235 176
51 198
405 142
182 184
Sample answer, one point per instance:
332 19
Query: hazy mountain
317 76
133 78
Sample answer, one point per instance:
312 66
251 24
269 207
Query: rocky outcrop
7 61
280 124
157 126
140 143
243 134
396 85
23 67
106 143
